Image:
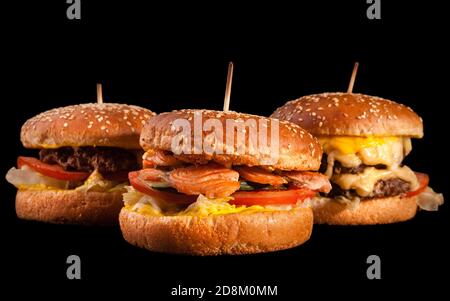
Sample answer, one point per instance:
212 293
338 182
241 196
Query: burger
85 154
232 197
364 139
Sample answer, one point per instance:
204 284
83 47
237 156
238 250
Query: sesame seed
65 124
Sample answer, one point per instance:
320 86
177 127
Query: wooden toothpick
352 79
226 101
99 94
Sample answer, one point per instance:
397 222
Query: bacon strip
307 179
259 175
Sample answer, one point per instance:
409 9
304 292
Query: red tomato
423 184
271 197
51 170
148 164
140 185
248 198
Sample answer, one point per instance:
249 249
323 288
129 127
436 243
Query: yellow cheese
352 145
353 151
37 187
363 183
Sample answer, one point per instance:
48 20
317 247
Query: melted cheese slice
363 183
352 145
371 151
353 151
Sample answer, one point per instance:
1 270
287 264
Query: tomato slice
423 184
140 185
52 170
241 198
271 197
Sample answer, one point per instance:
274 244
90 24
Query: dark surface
175 56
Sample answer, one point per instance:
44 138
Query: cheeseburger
226 196
364 139
85 154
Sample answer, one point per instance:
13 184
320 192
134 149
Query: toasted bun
347 114
369 212
218 234
108 124
69 206
297 149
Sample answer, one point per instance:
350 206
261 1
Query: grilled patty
104 159
382 188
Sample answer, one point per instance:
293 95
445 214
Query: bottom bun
238 233
69 206
368 212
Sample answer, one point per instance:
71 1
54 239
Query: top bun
107 124
297 149
351 114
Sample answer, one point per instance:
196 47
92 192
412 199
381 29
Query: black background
174 55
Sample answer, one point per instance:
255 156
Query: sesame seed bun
218 234
368 212
351 114
107 124
298 150
69 206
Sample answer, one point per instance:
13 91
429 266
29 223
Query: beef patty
382 189
88 158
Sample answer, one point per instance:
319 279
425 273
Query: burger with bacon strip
365 140
221 201
85 154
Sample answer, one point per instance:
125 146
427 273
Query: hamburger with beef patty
210 203
85 154
365 140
